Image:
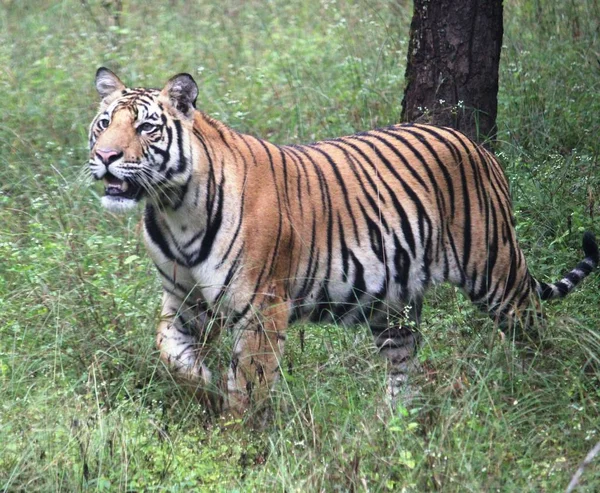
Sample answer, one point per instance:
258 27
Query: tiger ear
181 91
107 83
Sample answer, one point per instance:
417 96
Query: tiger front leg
183 338
255 362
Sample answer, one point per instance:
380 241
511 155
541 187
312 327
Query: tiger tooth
124 186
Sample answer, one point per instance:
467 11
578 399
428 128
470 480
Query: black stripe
183 162
308 282
327 198
279 208
422 214
229 277
342 185
242 201
353 163
401 264
175 284
400 156
441 165
404 222
343 249
375 235
155 233
212 227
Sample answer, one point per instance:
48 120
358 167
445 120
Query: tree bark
452 66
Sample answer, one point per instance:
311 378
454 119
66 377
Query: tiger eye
146 127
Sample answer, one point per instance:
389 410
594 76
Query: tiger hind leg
399 344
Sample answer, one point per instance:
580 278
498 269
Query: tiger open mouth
115 187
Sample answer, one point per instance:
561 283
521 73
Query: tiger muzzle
115 187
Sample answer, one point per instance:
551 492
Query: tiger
252 236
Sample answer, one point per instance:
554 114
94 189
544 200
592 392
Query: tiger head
138 145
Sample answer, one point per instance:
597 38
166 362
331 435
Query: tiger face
133 146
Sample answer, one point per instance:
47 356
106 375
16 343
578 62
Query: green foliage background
84 402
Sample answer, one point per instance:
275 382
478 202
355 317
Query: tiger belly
360 286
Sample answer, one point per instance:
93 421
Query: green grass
85 403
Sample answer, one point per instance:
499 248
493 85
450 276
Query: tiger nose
108 156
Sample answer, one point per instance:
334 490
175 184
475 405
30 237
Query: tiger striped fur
253 235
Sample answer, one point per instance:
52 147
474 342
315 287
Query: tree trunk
452 67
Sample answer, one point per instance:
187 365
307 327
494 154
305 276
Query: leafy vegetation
85 403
